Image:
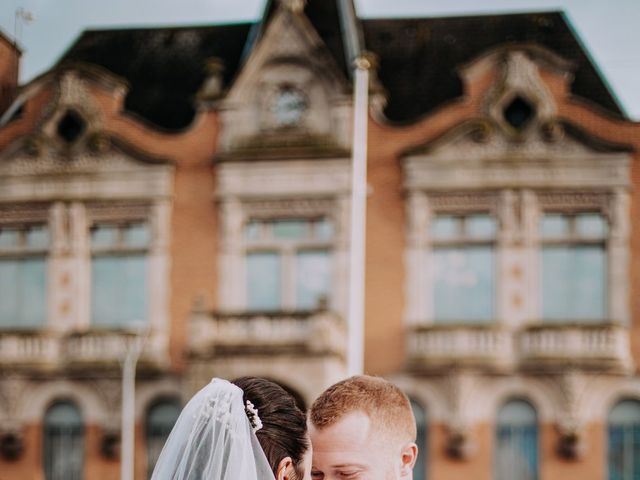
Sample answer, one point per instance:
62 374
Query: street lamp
132 352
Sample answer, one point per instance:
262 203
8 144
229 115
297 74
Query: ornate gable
70 155
290 98
519 141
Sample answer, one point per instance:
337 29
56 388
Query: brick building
194 184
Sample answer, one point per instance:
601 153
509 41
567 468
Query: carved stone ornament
11 445
459 444
520 89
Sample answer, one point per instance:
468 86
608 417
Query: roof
165 67
419 57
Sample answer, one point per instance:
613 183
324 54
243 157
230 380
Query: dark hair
284 425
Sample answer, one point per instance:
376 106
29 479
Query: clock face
288 106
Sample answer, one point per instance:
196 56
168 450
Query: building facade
187 191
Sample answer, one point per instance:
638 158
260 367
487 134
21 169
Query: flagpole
355 355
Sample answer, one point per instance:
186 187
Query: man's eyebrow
350 465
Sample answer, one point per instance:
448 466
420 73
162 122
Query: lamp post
133 349
355 355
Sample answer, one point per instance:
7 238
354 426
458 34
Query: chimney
9 68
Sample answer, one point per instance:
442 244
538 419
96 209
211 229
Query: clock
288 106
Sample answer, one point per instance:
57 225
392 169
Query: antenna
22 17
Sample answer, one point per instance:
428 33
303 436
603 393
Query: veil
213 440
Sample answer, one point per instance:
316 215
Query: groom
362 428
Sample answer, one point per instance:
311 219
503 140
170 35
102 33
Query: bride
249 429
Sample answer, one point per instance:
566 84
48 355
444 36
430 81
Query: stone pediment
484 141
28 158
478 154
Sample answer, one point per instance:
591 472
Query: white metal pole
355 354
127 439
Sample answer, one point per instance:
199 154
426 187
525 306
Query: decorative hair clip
252 415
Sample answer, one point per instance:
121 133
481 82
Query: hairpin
252 415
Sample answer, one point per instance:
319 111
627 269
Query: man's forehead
350 432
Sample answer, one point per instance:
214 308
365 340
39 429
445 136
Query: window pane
160 420
252 230
263 281
324 229
63 443
463 284
480 226
313 278
591 225
517 442
23 292
445 227
118 290
137 235
104 236
554 226
9 237
419 471
624 441
37 237
9 293
290 229
573 283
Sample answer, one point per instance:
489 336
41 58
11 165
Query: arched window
63 439
517 442
420 470
160 420
624 441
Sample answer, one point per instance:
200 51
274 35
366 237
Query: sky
610 29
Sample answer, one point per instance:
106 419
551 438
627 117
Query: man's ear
409 457
285 469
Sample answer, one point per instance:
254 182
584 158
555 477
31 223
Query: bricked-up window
422 432
516 452
288 263
119 274
574 266
63 442
161 418
624 441
463 266
23 275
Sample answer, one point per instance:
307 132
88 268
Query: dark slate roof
164 66
418 56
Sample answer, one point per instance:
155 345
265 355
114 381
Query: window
119 274
63 447
517 442
161 418
574 266
624 441
23 275
463 267
420 469
288 263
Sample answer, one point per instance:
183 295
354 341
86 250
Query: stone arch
426 394
149 393
543 398
603 404
42 396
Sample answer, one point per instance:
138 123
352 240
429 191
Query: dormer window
71 127
518 113
288 106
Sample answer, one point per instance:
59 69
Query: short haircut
386 405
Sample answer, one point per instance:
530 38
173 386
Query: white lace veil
213 440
